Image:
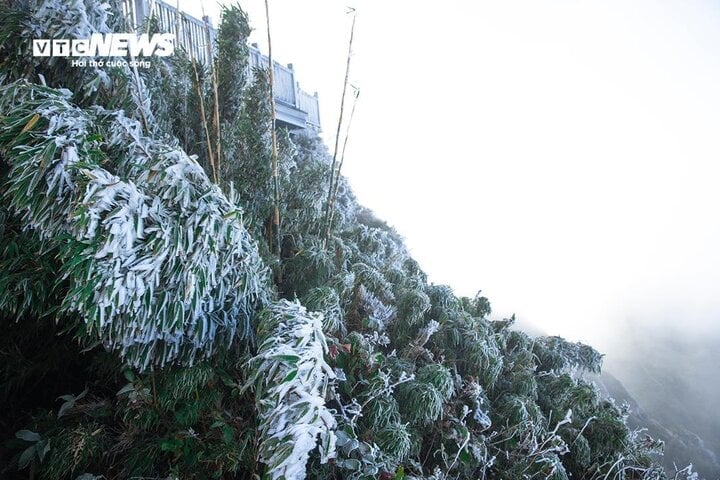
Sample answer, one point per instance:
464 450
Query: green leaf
26 457
290 376
281 454
227 379
170 445
70 401
352 464
228 434
42 447
65 407
370 470
342 438
130 387
293 359
28 436
88 476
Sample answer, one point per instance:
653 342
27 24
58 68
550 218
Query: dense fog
672 374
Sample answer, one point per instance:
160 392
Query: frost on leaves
157 262
291 379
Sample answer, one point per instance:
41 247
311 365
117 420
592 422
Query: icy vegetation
157 260
158 323
291 381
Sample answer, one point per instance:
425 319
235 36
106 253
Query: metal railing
310 104
284 86
197 38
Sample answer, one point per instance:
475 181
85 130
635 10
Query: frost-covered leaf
26 457
28 436
291 382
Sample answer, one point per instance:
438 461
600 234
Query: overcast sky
561 155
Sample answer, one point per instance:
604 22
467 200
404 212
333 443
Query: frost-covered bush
439 377
471 345
326 301
412 305
395 441
376 313
420 403
291 381
556 353
158 264
74 19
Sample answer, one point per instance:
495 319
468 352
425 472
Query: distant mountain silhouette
677 425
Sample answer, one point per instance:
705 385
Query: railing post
209 38
294 84
317 109
142 9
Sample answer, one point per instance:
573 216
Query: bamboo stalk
216 101
218 137
179 34
274 158
140 97
340 165
138 83
211 158
339 126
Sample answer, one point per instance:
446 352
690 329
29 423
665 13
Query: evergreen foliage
150 330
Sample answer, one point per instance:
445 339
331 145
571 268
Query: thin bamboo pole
211 158
274 165
216 100
340 165
337 133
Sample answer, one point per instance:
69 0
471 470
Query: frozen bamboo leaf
290 396
154 261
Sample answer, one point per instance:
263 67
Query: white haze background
562 156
